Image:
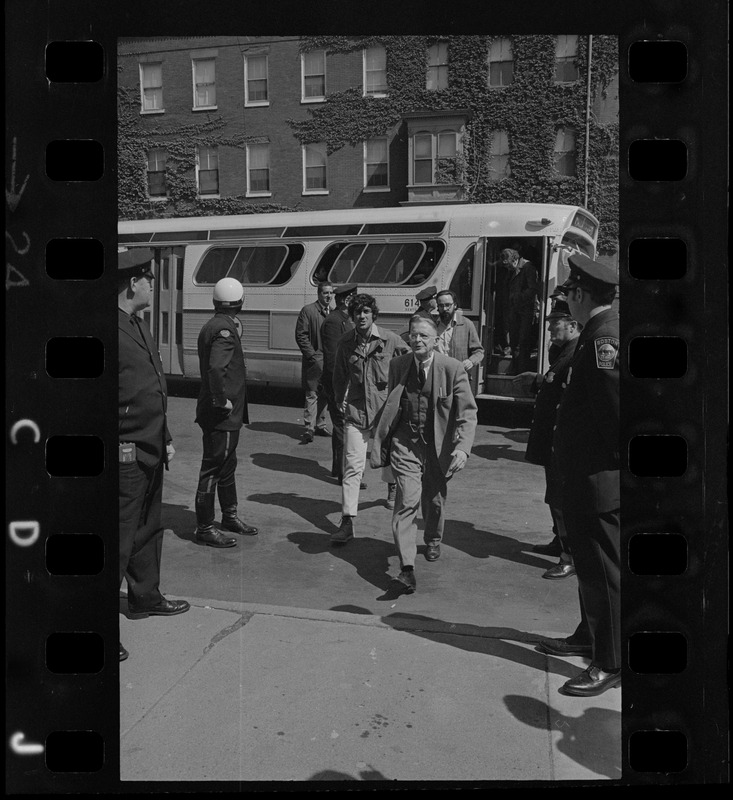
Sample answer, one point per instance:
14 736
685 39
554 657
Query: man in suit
336 324
522 288
548 388
308 339
221 411
425 433
145 445
457 336
586 456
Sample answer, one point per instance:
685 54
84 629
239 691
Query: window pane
376 150
315 178
156 159
257 67
208 181
446 145
259 156
314 86
566 46
263 264
152 75
215 265
314 62
377 175
423 172
376 58
208 158
423 147
204 71
345 263
156 184
152 99
315 155
259 180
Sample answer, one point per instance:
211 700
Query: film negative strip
62 719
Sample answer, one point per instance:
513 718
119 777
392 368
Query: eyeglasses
445 305
422 336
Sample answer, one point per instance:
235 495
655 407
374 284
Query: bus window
462 283
379 264
215 265
426 267
253 265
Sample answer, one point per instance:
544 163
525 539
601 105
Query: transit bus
391 253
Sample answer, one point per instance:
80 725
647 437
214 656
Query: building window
208 171
501 63
437 76
156 172
204 83
151 88
375 71
565 152
434 156
314 169
376 164
499 156
313 76
566 52
255 81
258 169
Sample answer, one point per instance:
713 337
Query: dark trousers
337 424
520 339
141 531
216 476
594 540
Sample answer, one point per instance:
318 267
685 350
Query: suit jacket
336 324
522 287
143 395
453 403
586 441
464 342
308 339
223 375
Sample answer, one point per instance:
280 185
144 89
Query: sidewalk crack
230 629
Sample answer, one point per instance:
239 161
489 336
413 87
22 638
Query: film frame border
694 308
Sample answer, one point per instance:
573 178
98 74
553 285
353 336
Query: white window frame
434 151
142 67
256 103
502 134
386 188
505 43
217 194
438 65
259 192
557 154
316 98
156 197
564 54
194 62
365 72
306 190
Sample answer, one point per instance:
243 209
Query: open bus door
165 317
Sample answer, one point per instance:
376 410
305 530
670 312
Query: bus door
170 309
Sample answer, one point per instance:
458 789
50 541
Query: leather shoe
553 548
345 533
123 653
165 608
322 432
591 681
562 647
432 552
561 570
215 538
306 438
235 525
407 579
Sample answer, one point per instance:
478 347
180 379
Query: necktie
420 376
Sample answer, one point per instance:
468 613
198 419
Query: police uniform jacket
539 443
223 375
308 339
586 441
142 392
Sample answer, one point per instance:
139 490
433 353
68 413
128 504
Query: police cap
134 262
427 293
560 310
346 290
586 270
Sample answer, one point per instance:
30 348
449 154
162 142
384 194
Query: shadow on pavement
496 452
332 775
289 429
587 739
484 544
285 462
312 510
181 520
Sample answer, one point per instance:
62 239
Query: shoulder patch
224 333
606 352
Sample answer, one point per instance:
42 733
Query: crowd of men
410 397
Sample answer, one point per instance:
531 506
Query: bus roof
505 219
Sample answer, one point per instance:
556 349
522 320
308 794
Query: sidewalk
237 691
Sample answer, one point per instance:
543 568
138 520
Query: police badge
606 352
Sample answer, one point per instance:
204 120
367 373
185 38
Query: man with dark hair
145 445
522 288
360 389
548 388
586 457
308 339
425 433
457 336
336 324
221 411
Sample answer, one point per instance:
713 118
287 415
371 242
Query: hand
457 462
525 379
170 451
467 365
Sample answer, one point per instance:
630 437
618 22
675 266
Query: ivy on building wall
530 109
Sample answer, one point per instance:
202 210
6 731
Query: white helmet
228 293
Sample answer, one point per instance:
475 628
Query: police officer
145 445
586 456
221 411
428 303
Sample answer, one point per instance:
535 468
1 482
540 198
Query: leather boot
231 522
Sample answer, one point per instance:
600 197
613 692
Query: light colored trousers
314 412
356 441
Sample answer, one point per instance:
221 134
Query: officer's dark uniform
428 293
142 424
586 456
336 324
223 377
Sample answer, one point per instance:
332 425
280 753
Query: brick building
218 125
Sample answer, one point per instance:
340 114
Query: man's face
509 261
143 291
422 339
325 295
573 302
561 330
363 319
429 305
446 307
